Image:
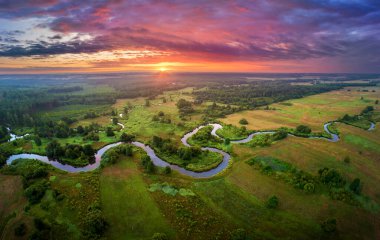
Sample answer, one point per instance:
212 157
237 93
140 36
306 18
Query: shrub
243 121
347 159
109 132
239 234
309 187
167 170
329 225
127 137
303 129
150 168
279 135
36 191
38 141
272 202
331 177
20 229
355 186
160 236
94 224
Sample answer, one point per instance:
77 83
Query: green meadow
131 200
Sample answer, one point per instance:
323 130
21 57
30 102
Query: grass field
130 210
313 111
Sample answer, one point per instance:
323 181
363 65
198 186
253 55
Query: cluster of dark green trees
216 111
366 113
185 107
337 186
160 117
21 107
331 178
113 154
259 93
167 146
4 134
83 154
204 137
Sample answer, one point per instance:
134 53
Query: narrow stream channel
158 161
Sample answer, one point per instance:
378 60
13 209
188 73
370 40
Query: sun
163 69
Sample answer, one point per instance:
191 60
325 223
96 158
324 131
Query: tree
227 141
144 160
161 114
167 170
94 223
36 191
355 186
115 121
272 202
331 177
109 132
243 121
147 103
38 141
367 109
377 102
347 159
80 129
280 134
184 107
127 137
88 150
157 141
54 149
150 168
303 129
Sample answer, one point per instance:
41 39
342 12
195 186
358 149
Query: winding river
158 161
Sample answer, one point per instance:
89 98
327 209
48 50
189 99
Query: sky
55 36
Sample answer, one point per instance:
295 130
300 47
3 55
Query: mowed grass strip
127 205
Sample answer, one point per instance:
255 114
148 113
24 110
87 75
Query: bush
109 132
167 170
355 186
279 135
347 159
37 140
20 230
303 129
127 137
36 191
309 187
272 202
239 234
331 177
160 236
329 225
243 121
94 224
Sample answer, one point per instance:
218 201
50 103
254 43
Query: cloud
206 30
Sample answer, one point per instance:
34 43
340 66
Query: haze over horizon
282 36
